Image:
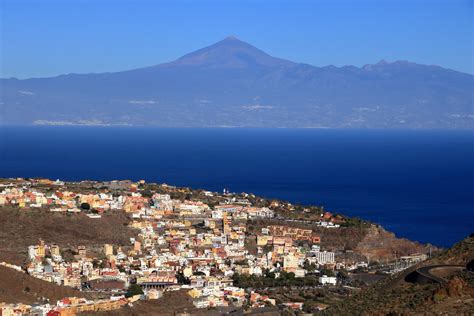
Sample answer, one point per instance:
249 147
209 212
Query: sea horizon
391 129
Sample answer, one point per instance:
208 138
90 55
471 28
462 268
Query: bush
134 289
327 272
85 206
437 297
147 193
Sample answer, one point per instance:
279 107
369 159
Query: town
223 250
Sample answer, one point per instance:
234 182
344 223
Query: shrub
134 289
85 206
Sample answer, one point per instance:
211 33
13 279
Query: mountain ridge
230 38
232 83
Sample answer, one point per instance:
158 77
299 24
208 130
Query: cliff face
381 245
368 240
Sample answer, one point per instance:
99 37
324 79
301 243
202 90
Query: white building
324 257
327 280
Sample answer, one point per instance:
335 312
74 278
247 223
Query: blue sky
47 38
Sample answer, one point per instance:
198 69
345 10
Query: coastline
419 181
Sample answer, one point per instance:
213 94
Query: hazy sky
45 38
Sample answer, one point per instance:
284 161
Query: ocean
416 183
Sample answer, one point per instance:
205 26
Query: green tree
327 272
147 193
134 289
85 206
182 279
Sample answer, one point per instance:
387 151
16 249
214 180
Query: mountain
230 53
232 83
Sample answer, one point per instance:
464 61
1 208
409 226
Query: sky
47 38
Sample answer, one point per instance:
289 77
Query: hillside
171 304
378 244
365 239
399 295
22 228
18 287
352 241
232 83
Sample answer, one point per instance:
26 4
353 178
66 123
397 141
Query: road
433 274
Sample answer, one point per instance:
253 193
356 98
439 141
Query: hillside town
215 252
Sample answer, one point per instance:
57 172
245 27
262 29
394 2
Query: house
154 294
294 305
290 263
327 280
201 303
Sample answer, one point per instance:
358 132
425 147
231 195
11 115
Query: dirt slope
21 228
18 287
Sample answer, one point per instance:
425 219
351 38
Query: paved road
426 274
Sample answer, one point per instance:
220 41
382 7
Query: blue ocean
416 183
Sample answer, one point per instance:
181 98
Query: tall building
324 257
226 221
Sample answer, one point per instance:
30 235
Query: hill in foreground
22 228
19 287
450 292
22 225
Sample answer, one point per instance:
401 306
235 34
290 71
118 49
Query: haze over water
418 184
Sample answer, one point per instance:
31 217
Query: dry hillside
19 287
21 228
395 296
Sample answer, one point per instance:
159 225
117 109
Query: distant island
233 84
118 246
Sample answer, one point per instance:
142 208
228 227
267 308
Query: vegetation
269 280
134 289
182 279
85 206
